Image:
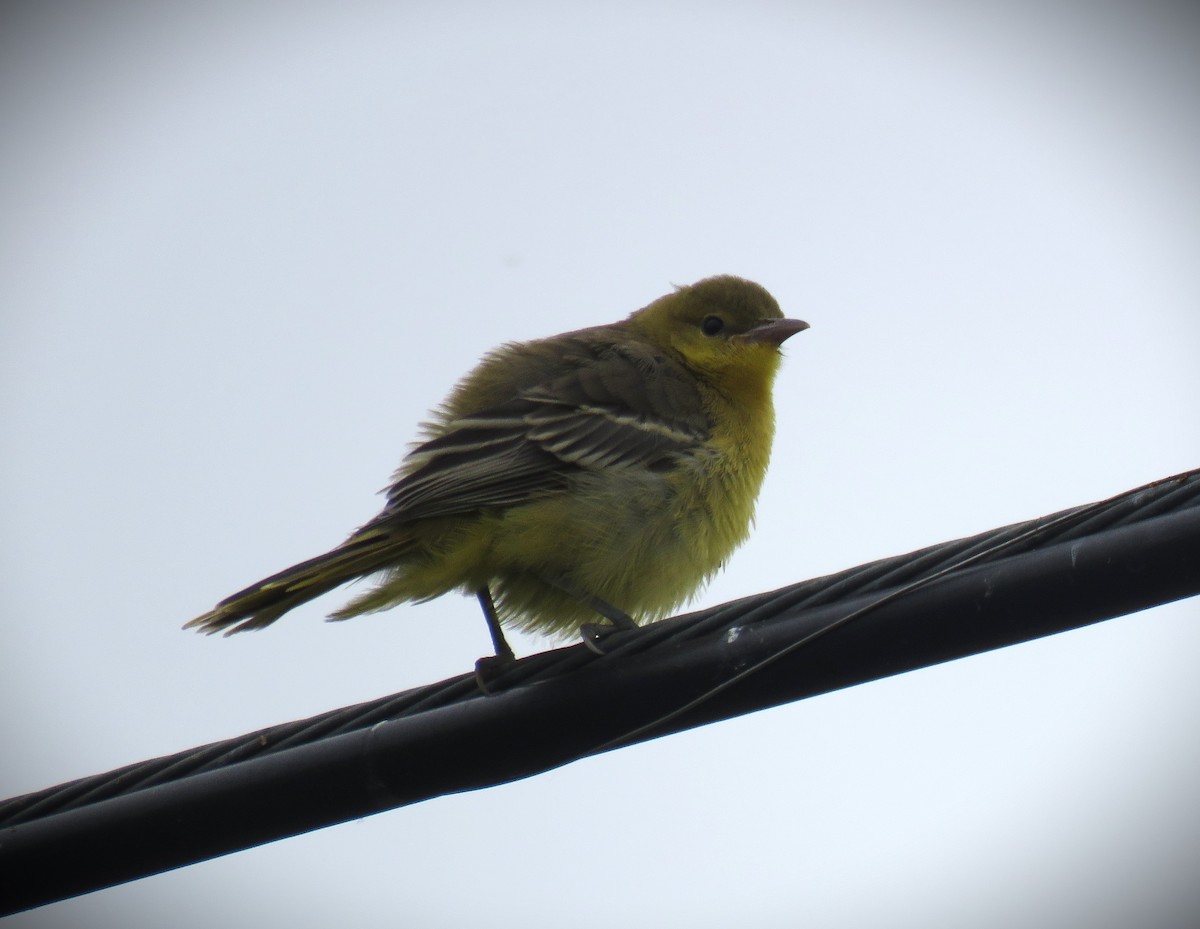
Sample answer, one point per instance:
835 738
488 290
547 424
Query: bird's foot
594 635
489 670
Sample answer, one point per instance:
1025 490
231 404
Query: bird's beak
775 331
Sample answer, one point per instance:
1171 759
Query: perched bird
608 471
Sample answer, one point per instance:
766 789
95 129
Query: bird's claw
595 634
490 669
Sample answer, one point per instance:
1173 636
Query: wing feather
615 407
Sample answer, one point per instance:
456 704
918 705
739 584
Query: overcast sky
244 247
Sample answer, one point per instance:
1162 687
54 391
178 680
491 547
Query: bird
604 473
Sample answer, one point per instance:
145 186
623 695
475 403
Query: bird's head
724 328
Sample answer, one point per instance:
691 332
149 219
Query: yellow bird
608 471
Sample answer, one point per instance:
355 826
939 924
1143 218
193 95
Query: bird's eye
712 325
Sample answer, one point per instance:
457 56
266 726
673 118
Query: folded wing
618 407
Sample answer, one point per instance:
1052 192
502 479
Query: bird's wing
621 407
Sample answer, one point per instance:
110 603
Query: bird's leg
614 615
486 667
592 633
503 650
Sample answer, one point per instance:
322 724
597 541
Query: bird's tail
261 604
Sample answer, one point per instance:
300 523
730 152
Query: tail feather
261 604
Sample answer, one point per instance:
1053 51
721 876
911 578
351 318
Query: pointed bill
775 331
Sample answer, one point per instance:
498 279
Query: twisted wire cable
1177 493
997 588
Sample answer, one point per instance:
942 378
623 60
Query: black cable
1019 582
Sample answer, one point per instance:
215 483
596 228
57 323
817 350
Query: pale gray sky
245 247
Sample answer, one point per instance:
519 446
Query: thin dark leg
503 650
593 633
487 670
619 618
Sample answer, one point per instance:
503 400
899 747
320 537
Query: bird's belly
643 544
